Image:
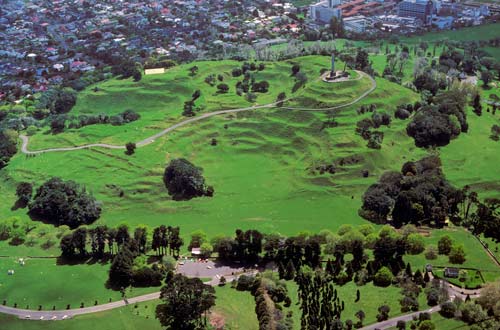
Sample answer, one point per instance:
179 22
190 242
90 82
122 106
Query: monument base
335 76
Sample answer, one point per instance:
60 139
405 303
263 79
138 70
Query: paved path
151 139
59 315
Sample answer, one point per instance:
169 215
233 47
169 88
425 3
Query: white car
53 318
65 317
27 317
41 317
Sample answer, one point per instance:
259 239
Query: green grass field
125 318
262 170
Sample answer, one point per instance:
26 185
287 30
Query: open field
43 282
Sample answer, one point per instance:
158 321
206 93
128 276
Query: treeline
102 241
269 292
8 145
122 118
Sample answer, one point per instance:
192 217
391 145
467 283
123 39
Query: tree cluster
8 146
420 194
57 100
185 181
122 118
364 126
64 203
184 302
441 121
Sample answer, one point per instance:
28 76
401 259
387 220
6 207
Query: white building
355 23
323 11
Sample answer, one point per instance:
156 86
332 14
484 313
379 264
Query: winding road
151 139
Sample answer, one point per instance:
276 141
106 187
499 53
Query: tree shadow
19 204
83 260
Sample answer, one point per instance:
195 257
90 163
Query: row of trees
104 241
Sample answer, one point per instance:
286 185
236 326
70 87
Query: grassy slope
259 168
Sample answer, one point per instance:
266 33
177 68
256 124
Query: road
60 315
151 139
453 291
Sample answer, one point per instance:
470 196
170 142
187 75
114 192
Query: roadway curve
151 139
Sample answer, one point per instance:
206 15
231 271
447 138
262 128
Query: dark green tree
185 300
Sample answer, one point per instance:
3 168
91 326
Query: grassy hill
263 168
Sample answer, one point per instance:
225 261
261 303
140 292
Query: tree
431 252
490 296
383 313
130 146
289 271
120 272
444 245
280 99
295 69
184 181
64 203
206 250
486 77
361 316
457 254
426 325
472 313
448 309
383 277
476 105
415 244
8 146
137 75
337 27
184 302
362 61
24 190
222 88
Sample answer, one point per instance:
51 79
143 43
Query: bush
444 245
457 254
383 277
415 244
431 252
448 309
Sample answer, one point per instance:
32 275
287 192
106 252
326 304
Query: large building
324 11
421 9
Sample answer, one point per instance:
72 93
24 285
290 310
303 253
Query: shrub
383 277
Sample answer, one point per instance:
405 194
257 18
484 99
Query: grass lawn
124 318
475 255
42 282
372 297
237 308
